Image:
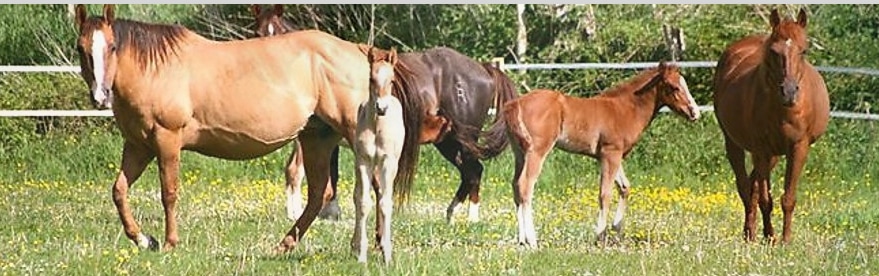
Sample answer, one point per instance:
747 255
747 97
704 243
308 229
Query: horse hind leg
453 151
610 164
623 186
332 211
759 196
134 161
294 174
529 165
316 161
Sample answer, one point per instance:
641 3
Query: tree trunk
522 36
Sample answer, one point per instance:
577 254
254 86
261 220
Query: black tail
495 138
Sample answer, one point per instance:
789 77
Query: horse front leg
134 160
765 191
796 160
316 161
386 204
736 157
610 163
759 190
169 144
362 204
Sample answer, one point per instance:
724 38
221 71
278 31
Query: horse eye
112 47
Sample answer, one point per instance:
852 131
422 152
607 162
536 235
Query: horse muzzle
381 108
695 113
102 98
789 91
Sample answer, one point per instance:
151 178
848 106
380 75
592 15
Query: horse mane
636 84
150 43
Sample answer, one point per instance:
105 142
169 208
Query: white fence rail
504 66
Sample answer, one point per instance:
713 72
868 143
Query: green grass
684 218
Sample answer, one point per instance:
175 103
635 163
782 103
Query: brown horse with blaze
769 101
605 127
172 90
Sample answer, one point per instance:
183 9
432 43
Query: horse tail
495 137
511 114
413 113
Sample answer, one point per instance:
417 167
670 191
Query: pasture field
685 216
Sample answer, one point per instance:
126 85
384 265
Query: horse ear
392 57
279 9
774 19
364 48
255 9
662 65
802 19
81 15
109 13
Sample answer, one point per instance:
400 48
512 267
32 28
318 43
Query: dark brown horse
459 95
270 22
172 90
605 127
769 101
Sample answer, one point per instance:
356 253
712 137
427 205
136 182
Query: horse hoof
331 211
148 242
280 250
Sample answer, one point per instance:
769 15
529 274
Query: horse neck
131 72
638 97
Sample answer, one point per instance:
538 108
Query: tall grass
684 216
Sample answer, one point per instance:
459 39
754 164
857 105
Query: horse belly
580 141
234 147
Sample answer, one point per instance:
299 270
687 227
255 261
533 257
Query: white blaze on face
692 102
99 45
271 29
383 78
788 42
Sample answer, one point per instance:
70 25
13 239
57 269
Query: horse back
462 85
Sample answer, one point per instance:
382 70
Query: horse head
270 22
381 66
674 92
97 53
788 45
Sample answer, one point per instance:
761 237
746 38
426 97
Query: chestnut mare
172 90
605 127
769 101
380 135
459 95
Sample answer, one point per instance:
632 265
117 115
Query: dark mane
406 89
150 43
